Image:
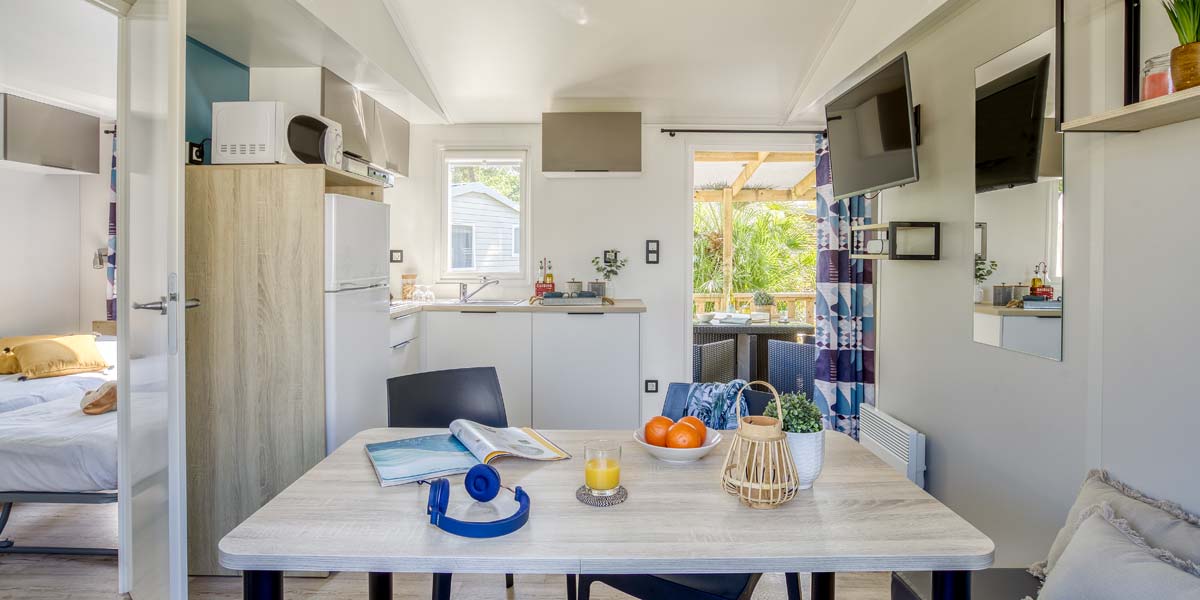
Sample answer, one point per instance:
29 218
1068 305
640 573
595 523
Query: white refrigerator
356 317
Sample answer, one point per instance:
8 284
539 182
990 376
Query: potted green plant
983 269
608 267
804 426
1185 58
764 302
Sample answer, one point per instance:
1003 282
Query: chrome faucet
464 297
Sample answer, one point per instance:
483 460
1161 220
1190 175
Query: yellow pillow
8 360
63 355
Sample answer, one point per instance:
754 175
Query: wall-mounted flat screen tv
872 133
1009 117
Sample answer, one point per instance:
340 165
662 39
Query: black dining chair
434 399
736 586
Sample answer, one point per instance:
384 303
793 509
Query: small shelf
338 177
1148 114
872 227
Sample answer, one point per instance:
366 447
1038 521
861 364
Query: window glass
484 207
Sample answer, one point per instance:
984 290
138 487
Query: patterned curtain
111 297
845 304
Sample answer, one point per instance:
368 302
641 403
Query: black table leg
572 587
822 586
441 586
793 586
951 585
508 580
262 585
379 586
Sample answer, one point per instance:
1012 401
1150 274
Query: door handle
160 306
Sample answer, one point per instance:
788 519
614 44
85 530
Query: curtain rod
672 132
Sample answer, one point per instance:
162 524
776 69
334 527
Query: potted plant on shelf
804 425
764 302
608 267
983 269
1185 58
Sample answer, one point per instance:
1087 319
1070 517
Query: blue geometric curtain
845 304
111 296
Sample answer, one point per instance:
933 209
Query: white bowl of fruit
683 441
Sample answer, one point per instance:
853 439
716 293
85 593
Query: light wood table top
861 515
1004 311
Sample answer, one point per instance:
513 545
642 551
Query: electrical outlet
651 386
397 256
195 153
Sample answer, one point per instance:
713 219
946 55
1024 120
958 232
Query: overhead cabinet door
343 103
595 144
40 134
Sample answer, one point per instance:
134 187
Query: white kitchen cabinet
586 368
405 344
478 338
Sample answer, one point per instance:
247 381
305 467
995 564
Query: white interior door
150 254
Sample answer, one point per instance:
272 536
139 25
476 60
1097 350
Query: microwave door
306 138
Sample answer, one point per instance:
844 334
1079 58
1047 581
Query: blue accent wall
211 77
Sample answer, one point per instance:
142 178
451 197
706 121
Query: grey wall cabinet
370 130
591 144
43 135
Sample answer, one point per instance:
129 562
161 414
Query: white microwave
267 132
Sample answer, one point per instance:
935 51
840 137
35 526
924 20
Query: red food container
1044 291
541 288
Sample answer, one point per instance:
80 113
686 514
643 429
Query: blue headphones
482 483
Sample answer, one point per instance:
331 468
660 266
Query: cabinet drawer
405 328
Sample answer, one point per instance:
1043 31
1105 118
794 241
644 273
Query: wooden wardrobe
255 347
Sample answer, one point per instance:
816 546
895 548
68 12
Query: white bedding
54 447
16 394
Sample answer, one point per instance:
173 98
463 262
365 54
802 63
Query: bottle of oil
549 272
1036 282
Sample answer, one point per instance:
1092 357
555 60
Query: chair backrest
718 362
791 367
436 398
677 395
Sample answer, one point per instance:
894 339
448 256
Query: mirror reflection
1019 202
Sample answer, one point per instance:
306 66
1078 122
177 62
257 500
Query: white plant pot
808 452
978 293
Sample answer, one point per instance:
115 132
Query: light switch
397 256
651 386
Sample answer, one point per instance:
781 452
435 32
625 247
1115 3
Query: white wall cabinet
454 340
586 368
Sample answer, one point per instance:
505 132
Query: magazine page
489 443
420 458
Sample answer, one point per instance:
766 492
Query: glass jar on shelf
1156 77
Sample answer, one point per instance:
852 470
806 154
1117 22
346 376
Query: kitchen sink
484 302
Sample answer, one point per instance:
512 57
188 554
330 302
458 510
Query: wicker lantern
759 468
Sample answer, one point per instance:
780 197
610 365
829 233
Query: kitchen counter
402 309
1004 311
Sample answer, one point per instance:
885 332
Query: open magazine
468 444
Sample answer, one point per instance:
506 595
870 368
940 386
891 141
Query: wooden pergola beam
755 195
747 173
806 185
712 156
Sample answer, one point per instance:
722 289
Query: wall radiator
895 443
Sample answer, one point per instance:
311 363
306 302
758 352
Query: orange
697 423
656 430
684 435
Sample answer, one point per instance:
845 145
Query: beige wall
1006 431
573 220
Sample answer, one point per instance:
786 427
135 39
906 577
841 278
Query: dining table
860 515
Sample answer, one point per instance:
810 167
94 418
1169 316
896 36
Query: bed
50 452
16 394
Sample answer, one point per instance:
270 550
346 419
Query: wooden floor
41 577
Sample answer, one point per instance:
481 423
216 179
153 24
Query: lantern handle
737 402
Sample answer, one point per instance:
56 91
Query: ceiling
63 52
676 61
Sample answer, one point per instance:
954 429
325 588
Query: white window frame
450 240
447 154
516 248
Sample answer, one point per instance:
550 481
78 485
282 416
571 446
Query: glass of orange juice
602 467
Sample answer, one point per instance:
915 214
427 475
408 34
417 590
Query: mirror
1019 202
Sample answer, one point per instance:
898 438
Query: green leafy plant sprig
800 415
1185 18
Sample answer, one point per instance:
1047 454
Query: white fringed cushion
1164 524
1108 560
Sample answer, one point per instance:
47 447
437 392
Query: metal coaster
583 495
